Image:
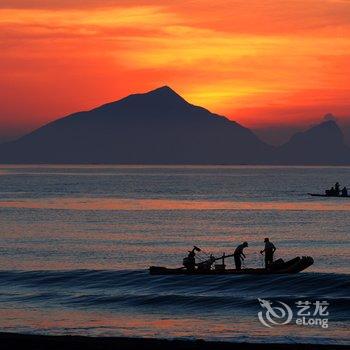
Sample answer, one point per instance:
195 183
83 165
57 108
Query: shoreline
67 342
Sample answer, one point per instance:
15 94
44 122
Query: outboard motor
190 262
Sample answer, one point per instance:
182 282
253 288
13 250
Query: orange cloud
255 61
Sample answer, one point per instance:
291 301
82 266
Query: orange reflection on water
172 204
105 323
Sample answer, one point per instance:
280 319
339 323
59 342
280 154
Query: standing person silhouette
269 250
239 255
344 192
337 188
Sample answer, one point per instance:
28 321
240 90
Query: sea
76 243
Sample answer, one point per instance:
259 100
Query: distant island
160 127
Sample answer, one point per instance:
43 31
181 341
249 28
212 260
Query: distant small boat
278 267
327 195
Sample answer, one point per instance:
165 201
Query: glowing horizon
274 64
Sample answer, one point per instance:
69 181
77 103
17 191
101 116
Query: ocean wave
113 289
331 284
136 276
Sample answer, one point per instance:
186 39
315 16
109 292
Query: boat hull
289 267
326 195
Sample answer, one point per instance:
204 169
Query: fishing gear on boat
205 264
202 254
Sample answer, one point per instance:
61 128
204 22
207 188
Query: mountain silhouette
321 144
157 127
160 127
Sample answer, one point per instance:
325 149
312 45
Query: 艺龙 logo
274 315
308 314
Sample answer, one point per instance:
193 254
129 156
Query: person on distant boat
269 250
344 192
239 256
337 189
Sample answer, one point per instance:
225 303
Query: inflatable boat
295 265
327 195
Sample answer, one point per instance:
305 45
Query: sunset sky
268 64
